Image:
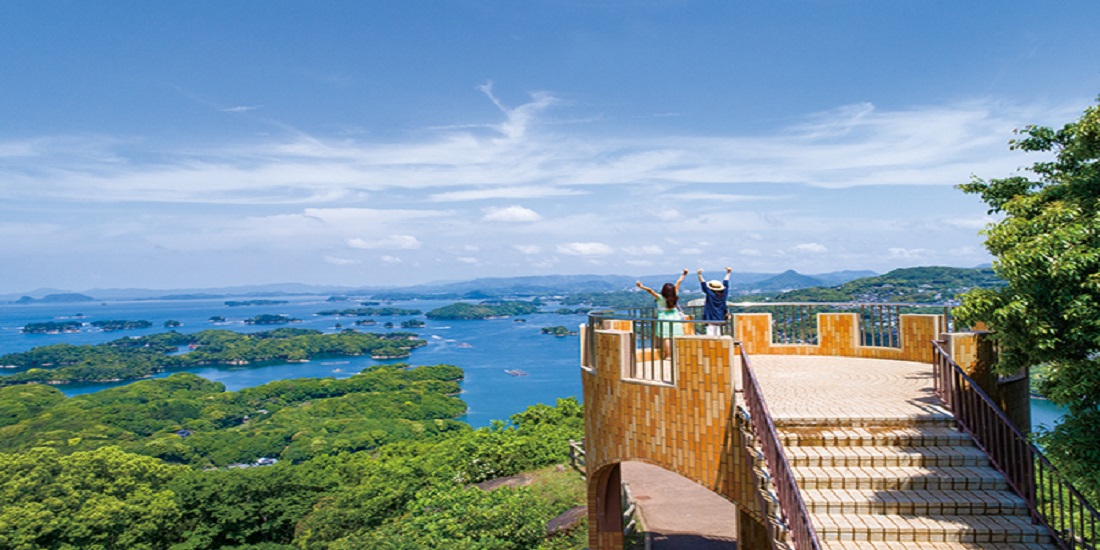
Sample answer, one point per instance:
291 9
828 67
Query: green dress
665 313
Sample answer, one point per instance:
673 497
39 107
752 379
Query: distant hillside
56 299
915 284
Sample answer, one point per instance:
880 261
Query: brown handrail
790 498
1053 501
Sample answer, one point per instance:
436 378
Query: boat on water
516 372
464 345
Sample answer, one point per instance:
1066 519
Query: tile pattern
880 464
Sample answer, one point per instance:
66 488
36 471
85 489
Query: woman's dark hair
669 292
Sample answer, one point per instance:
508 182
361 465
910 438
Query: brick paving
808 388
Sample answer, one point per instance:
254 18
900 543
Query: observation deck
829 426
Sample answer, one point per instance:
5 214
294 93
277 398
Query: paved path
679 513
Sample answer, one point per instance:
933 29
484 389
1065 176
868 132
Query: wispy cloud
241 108
514 213
392 242
585 249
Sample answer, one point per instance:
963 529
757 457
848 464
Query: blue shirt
715 308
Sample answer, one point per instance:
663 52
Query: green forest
373 461
139 357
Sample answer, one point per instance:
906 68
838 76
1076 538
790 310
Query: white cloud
750 252
503 193
467 260
813 248
647 250
392 242
391 260
907 253
585 249
514 213
339 261
528 249
969 223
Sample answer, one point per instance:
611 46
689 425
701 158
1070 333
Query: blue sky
200 144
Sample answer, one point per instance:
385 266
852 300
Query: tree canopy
1047 250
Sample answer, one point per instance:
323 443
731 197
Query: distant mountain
477 289
841 277
788 280
915 284
66 298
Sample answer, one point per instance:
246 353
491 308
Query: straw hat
716 285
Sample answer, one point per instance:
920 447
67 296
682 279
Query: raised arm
680 280
701 279
648 289
728 271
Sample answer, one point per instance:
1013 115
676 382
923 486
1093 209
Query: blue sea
483 349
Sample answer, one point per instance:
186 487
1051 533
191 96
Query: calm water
484 349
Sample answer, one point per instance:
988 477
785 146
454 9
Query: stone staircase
915 484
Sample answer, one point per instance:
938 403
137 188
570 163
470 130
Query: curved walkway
680 514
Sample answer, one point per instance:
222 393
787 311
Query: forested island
131 358
369 311
111 326
483 310
243 303
373 461
52 327
267 319
558 331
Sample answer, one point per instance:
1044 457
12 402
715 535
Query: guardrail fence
790 498
1053 501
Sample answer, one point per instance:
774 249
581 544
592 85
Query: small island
243 303
111 326
217 319
266 319
558 331
370 311
52 327
172 323
483 310
412 323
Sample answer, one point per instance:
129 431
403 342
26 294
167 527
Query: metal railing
790 498
1053 501
652 353
879 323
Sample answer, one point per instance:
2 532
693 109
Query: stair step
912 545
935 478
832 456
923 436
919 502
937 417
980 529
